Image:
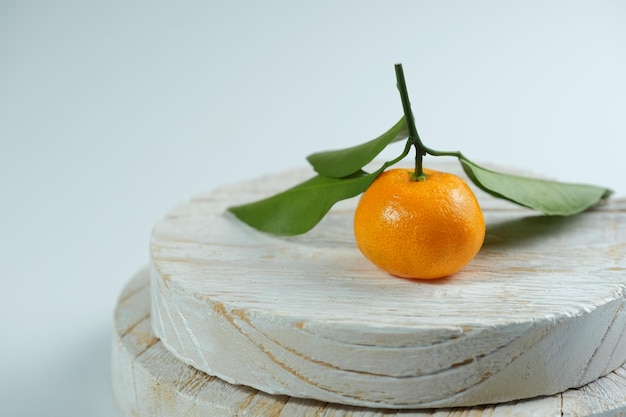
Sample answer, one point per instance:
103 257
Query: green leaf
343 162
550 197
298 209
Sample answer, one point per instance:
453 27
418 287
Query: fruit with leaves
341 175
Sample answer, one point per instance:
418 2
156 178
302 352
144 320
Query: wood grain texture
149 381
539 310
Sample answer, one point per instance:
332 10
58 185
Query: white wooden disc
149 381
538 311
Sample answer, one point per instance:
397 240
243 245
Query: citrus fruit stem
414 138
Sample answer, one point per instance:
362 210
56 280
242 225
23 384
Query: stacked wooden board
229 321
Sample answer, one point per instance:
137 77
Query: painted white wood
539 310
149 381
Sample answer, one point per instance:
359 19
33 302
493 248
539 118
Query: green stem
405 152
433 152
414 138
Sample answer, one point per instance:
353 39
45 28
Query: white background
112 112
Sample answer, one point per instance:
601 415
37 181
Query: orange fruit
419 229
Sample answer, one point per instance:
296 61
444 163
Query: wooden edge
149 381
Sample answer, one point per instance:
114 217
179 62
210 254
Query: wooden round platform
540 310
149 381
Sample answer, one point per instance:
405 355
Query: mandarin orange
422 229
